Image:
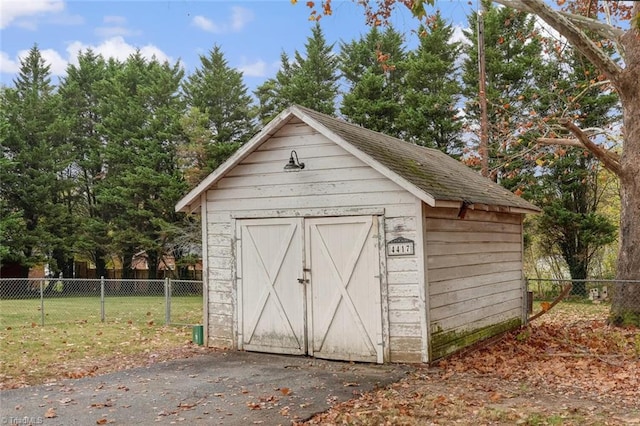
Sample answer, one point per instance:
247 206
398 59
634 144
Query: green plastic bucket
198 334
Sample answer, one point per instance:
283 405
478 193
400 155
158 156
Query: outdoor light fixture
293 165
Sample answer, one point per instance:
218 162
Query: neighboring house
376 250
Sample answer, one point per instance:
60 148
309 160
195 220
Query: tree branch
567 26
610 160
560 141
605 30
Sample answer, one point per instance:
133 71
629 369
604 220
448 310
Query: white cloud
205 24
57 63
8 65
117 48
114 47
116 26
458 35
108 32
10 10
115 20
239 19
256 69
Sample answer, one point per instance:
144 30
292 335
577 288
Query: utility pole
482 96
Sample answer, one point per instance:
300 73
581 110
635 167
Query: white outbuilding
326 239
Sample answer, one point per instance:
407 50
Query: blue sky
252 34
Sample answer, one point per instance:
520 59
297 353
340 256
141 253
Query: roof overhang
456 204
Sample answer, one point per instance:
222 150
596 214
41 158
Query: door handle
303 281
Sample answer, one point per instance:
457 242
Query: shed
374 249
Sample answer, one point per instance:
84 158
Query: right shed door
345 317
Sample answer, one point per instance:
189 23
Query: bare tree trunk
625 307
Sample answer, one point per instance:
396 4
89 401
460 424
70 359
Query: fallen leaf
254 406
101 421
50 413
285 391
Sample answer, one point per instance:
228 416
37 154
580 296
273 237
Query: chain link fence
588 296
46 301
592 290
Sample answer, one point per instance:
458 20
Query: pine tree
310 80
273 95
33 179
515 71
82 97
12 225
374 70
142 184
219 92
429 114
570 187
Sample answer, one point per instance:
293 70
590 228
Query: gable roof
429 174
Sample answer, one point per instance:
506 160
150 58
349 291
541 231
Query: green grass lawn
74 337
185 310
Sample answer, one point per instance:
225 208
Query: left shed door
271 300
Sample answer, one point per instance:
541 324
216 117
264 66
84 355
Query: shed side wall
475 276
332 182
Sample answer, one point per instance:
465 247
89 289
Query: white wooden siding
474 269
333 181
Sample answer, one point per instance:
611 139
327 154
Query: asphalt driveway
230 388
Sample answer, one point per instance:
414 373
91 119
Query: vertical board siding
332 179
475 274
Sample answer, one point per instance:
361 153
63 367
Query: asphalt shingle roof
430 170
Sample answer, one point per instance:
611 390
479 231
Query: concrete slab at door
345 313
270 299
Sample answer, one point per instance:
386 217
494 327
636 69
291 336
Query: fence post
102 299
167 301
42 303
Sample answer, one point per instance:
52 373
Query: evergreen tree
430 109
570 188
218 91
12 225
35 160
515 72
141 127
273 95
82 97
374 70
310 80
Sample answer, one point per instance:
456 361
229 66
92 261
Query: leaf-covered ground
566 371
33 355
568 368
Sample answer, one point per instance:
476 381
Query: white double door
310 286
